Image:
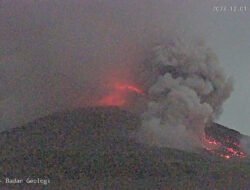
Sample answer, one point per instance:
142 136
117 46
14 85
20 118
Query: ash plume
58 55
187 90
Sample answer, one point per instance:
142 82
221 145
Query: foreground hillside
90 149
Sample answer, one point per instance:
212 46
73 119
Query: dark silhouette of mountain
228 141
90 148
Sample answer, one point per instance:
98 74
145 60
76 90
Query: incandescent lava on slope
181 88
218 140
223 142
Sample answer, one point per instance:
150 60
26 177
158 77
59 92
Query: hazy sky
228 33
50 35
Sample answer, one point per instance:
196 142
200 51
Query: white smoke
187 91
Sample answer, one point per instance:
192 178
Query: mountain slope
90 149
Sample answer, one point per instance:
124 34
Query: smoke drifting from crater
187 91
58 55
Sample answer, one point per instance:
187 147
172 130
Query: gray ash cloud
58 55
187 91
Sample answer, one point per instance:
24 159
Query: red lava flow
118 95
222 150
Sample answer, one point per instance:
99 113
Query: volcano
227 141
90 148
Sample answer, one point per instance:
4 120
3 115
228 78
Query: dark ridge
90 147
226 136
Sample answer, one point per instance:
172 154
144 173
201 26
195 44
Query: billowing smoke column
186 90
58 55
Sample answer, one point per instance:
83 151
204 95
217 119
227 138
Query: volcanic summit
91 148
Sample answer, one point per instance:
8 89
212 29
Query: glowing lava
115 99
119 95
223 150
131 88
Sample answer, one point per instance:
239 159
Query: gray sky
49 33
228 33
